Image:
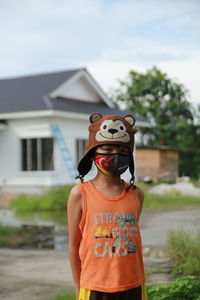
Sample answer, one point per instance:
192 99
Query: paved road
41 274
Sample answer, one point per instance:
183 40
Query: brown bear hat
109 129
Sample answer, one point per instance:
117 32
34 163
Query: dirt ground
42 274
33 274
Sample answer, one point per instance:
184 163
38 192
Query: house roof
33 93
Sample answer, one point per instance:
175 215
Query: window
80 149
37 154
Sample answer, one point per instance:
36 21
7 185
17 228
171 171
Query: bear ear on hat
130 119
95 117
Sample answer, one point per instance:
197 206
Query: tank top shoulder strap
81 186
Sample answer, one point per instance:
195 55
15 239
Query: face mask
112 164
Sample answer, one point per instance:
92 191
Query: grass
65 296
184 252
5 243
6 232
195 182
168 200
56 199
52 199
153 270
14 237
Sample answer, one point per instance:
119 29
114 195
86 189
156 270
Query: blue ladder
69 162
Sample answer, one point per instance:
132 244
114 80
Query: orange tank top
110 249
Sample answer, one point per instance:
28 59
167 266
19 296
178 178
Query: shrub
184 252
185 288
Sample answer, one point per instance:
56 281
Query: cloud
146 51
108 37
185 71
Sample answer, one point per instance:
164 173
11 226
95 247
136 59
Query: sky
108 37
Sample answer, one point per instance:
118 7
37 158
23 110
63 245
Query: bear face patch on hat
111 130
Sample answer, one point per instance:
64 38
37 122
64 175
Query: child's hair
113 130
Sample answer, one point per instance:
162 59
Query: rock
184 188
146 251
159 278
158 253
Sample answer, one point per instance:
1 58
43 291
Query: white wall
11 174
10 152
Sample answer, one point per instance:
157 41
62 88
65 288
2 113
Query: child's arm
74 217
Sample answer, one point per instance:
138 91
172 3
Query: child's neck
111 186
107 180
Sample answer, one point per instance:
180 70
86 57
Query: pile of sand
185 188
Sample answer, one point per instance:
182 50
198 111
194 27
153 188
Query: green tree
190 154
165 103
162 101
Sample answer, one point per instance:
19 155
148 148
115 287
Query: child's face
112 160
112 149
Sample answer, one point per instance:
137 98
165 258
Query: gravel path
41 274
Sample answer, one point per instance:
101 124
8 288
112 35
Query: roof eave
54 113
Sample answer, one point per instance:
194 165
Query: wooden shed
159 163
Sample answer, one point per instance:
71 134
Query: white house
43 127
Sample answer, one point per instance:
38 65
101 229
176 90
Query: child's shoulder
75 194
76 190
74 205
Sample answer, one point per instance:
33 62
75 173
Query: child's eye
105 148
